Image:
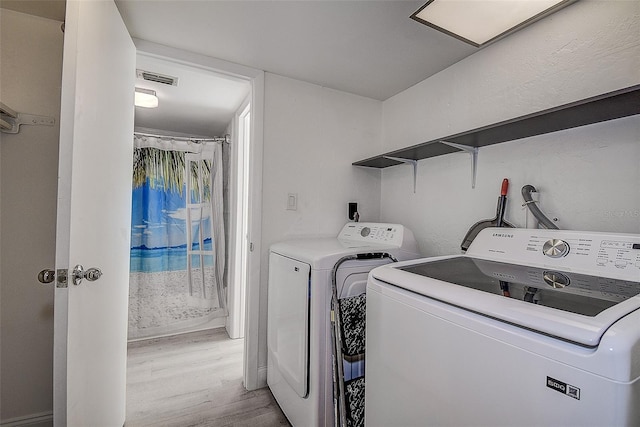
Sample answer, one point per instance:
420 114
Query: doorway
188 159
241 121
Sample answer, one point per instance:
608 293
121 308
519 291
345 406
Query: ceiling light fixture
480 22
146 98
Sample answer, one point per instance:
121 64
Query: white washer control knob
555 248
365 231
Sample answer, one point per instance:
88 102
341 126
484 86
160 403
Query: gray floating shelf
609 106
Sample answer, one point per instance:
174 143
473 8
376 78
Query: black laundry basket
354 398
352 322
348 340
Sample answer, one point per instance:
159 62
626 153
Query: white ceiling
202 103
365 47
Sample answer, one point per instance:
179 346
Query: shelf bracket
12 125
411 162
473 151
10 120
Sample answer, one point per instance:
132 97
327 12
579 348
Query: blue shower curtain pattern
158 230
176 283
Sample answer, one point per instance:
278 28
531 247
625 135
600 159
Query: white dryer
299 338
528 328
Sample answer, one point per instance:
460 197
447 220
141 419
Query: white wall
311 136
587 177
31 61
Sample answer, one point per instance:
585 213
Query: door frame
238 226
253 378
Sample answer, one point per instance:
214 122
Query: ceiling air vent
156 77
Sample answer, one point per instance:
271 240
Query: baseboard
42 419
211 324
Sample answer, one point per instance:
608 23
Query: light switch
292 202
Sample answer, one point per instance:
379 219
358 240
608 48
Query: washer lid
571 306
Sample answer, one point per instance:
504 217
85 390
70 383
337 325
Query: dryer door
288 320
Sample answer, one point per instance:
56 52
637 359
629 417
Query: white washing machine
299 338
528 328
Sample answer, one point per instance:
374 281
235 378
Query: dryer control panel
602 254
374 232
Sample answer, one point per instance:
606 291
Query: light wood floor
194 379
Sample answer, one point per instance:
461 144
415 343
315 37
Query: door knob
46 276
92 274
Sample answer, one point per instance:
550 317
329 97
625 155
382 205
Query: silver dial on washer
555 279
365 231
555 248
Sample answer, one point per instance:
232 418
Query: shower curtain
177 236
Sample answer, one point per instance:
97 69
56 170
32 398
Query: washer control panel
373 232
602 254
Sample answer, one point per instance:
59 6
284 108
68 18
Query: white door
94 214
